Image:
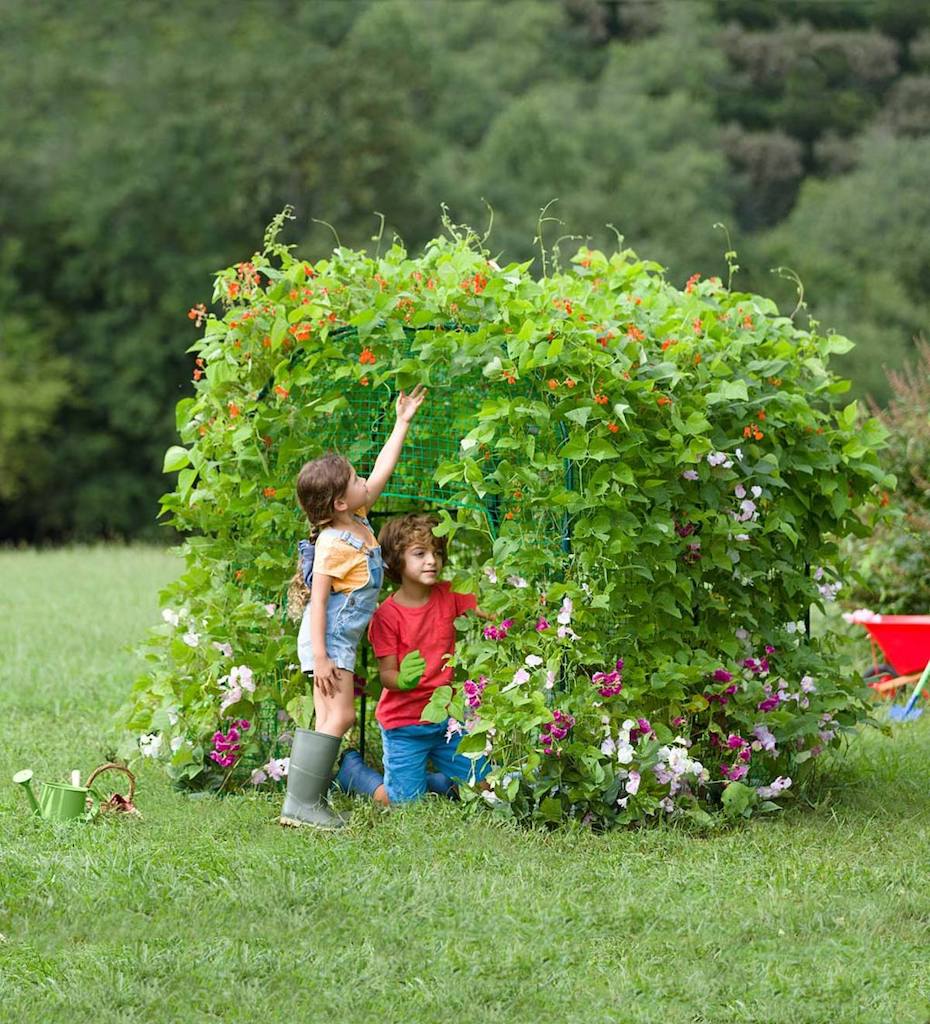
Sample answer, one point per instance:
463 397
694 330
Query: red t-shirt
398 630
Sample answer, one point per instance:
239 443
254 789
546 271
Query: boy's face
422 564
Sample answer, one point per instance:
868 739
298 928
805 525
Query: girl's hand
407 405
325 676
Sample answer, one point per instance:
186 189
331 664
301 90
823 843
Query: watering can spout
24 778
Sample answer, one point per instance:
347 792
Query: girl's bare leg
335 715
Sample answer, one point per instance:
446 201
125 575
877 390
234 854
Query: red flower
664 400
668 343
696 325
198 374
269 492
601 399
233 410
553 384
613 428
232 289
635 333
692 281
760 415
367 357
283 392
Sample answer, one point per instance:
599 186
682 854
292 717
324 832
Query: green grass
207 911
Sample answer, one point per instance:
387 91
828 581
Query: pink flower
632 783
720 675
541 624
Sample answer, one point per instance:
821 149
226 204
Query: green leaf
580 414
176 458
736 799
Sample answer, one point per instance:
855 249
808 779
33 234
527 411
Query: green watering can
58 801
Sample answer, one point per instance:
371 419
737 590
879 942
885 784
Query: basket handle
111 766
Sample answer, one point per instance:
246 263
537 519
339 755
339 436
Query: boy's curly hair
319 483
402 532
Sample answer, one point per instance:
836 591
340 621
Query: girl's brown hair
320 483
403 532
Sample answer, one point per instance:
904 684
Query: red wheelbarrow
905 642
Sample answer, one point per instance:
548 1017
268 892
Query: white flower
241 676
608 747
517 581
565 613
862 615
741 536
632 783
756 492
739 454
807 684
150 744
520 677
232 695
533 660
622 802
667 804
624 753
270 609
550 679
172 618
191 639
490 573
779 785
224 648
566 631
490 798
176 744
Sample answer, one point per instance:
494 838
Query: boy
416 624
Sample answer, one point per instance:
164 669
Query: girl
342 560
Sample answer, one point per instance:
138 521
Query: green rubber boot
308 776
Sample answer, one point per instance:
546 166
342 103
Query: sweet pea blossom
453 728
739 491
862 615
550 679
765 737
277 768
490 573
171 617
517 581
191 638
719 459
779 785
533 660
521 676
224 648
150 744
541 624
258 777
632 783
808 685
270 609
565 612
566 631
241 675
690 474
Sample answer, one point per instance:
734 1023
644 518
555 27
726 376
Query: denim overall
347 614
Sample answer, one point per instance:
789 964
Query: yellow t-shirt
346 564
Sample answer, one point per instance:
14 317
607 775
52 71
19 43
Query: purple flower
720 675
685 529
735 742
690 474
770 703
541 624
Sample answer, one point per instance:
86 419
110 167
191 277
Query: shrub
894 560
647 474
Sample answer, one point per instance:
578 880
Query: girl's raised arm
407 406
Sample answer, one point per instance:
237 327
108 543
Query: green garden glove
411 671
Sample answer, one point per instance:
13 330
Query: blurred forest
144 145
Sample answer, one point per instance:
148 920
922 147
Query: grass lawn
208 911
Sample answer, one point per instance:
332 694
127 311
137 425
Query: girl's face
356 494
422 564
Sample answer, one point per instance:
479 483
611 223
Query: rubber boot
440 784
308 776
356 777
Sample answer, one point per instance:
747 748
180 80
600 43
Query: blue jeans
406 751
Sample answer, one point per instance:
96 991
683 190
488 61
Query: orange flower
367 357
697 358
613 428
293 293
601 399
364 382
202 431
692 281
198 374
775 382
747 322
518 495
758 435
283 392
266 440
668 343
569 383
747 431
760 415
664 400
240 573
197 313
696 325
309 271
635 333
269 492
509 377
508 515
266 342
382 284
884 499
233 410
232 289
553 384
199 362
